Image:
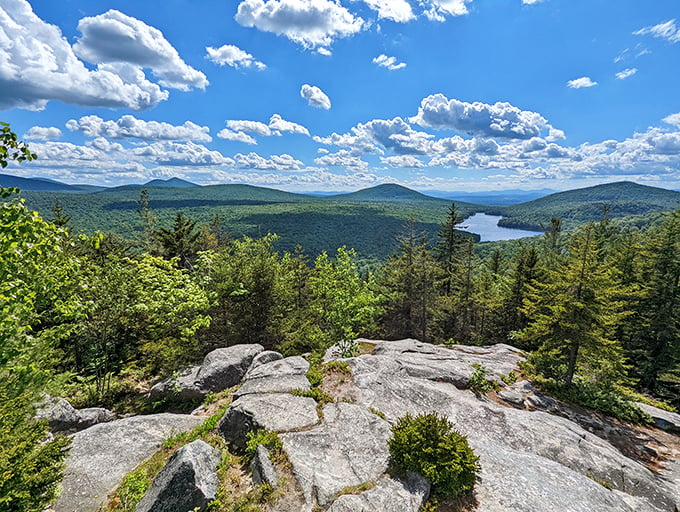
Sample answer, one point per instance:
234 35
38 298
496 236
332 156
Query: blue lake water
486 226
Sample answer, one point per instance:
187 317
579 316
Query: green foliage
428 445
342 303
609 401
32 273
132 489
266 438
478 380
316 393
11 148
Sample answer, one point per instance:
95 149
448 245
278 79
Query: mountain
385 192
582 205
170 182
43 184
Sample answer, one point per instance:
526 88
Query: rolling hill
578 206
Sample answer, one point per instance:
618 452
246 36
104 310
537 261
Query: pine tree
450 247
179 242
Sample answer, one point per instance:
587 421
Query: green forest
99 316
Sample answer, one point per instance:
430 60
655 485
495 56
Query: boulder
262 468
102 455
63 417
265 357
275 411
452 364
221 369
388 385
665 420
225 367
388 495
187 482
348 449
180 387
277 376
59 413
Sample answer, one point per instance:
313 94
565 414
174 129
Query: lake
486 226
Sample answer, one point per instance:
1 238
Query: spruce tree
573 317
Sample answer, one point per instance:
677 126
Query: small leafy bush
428 445
266 438
478 380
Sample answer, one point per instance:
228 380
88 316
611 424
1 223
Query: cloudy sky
312 95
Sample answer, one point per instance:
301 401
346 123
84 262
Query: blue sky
312 95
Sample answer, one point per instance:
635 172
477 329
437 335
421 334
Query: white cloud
255 127
181 154
43 133
278 124
666 30
343 158
437 10
673 119
129 127
252 160
388 62
403 161
497 120
395 10
233 56
310 23
626 73
531 2
395 135
580 83
37 65
315 97
114 37
228 134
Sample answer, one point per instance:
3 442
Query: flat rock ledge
187 482
102 455
388 495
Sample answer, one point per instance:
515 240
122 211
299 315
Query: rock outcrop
186 483
221 369
534 452
102 455
665 420
61 416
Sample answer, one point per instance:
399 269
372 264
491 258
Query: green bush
428 445
478 380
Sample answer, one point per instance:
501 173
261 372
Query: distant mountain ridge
170 182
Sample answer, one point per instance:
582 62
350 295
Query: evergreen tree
573 316
450 247
179 242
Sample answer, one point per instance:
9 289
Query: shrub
478 380
428 445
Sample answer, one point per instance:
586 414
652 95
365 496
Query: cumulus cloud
230 55
580 83
181 154
278 124
438 10
129 127
394 10
255 127
315 97
313 24
114 37
37 65
252 160
343 158
673 119
228 134
666 30
379 135
388 62
43 133
403 161
626 73
498 120
531 2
